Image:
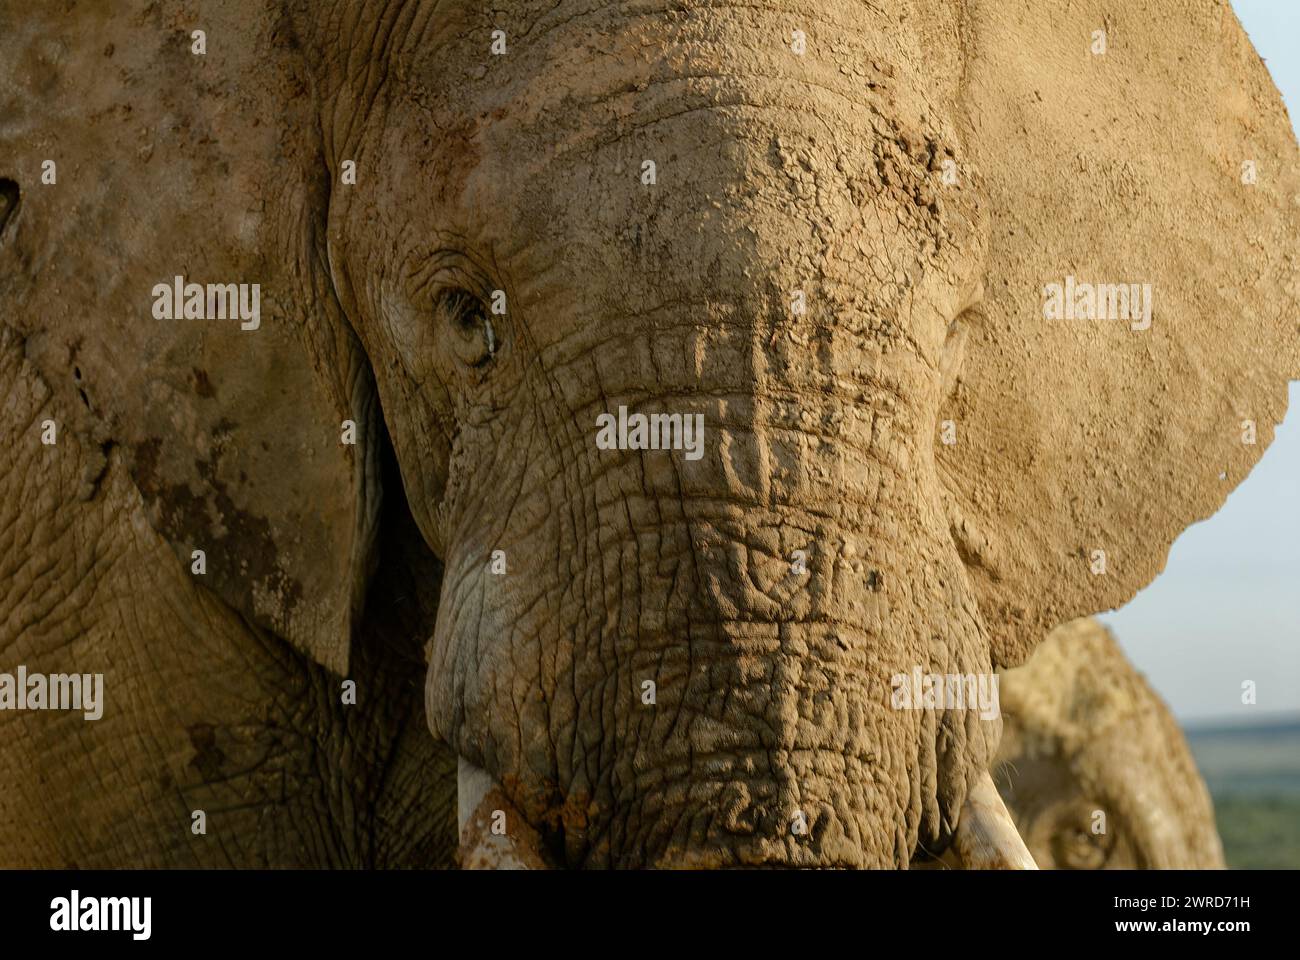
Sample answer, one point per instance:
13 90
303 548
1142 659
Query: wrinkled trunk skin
771 689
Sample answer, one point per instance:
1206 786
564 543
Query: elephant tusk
986 837
493 834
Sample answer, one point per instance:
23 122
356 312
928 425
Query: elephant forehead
591 48
752 183
576 80
705 147
718 192
599 76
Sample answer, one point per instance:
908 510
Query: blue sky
1227 607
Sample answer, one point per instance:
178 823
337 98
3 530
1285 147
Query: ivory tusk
493 834
986 837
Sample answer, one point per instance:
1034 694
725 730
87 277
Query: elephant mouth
985 836
704 739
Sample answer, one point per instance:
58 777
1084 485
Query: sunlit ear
1092 430
141 174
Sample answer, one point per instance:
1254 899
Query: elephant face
823 252
1094 768
626 568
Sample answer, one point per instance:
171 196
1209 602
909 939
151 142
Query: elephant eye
468 324
1077 848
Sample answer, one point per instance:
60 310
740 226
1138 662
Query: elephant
1092 765
317 315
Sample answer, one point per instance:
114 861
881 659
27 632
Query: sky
1227 607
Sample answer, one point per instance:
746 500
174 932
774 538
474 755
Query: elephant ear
1085 446
163 162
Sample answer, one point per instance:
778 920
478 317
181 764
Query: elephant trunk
691 662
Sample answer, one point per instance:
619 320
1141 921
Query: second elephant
1093 766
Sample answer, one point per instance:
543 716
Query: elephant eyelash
469 317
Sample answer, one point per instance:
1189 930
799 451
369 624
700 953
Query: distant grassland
1253 773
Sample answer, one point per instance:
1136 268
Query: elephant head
1093 766
827 233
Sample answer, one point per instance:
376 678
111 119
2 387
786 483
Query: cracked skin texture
522 173
202 711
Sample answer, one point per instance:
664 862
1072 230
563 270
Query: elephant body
477 235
